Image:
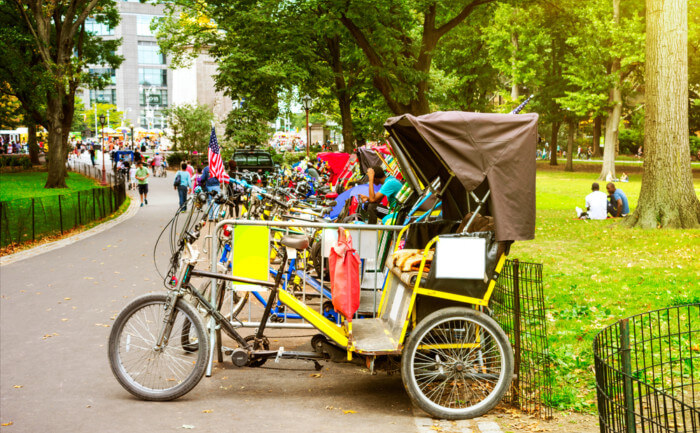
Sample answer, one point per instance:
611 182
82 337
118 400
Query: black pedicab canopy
481 151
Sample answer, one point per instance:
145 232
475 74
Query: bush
22 161
694 145
630 140
174 159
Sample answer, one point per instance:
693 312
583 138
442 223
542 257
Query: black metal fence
518 306
30 219
648 372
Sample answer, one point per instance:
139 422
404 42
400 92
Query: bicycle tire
141 321
461 349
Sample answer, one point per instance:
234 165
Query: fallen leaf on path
66 299
64 320
18 386
187 426
207 411
5 424
349 411
316 375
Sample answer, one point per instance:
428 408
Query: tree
399 40
667 198
539 64
57 35
191 125
85 118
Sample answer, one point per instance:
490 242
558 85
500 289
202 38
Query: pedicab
455 360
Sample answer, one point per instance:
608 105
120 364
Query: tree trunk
596 135
667 197
613 121
31 143
570 145
341 91
514 91
611 134
346 123
553 143
57 141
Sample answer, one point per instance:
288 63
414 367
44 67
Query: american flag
216 166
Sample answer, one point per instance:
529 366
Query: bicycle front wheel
157 374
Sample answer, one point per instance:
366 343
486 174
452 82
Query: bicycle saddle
298 242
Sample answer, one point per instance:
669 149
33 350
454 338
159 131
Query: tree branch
468 9
381 83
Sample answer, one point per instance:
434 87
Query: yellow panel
333 331
251 245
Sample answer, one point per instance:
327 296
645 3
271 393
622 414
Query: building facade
142 86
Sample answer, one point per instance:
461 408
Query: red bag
344 267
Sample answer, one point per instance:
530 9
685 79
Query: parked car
253 160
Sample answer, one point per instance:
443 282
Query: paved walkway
56 310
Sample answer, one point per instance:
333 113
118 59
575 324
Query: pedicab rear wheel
457 364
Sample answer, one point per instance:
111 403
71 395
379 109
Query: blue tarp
345 196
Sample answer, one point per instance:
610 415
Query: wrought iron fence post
626 364
516 332
60 213
33 223
80 220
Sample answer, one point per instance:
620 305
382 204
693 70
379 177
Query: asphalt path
56 312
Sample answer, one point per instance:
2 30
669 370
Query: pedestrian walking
183 184
142 178
92 155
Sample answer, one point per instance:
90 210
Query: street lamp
306 103
102 122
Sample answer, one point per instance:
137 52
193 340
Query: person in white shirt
596 203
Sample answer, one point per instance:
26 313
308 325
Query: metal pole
516 331
60 213
33 225
104 181
626 364
308 136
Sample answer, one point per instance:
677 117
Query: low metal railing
648 372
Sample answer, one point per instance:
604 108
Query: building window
143 24
106 96
154 97
153 77
152 119
149 54
109 73
99 29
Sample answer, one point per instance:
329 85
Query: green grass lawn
31 184
30 212
596 272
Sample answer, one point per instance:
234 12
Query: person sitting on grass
618 206
596 205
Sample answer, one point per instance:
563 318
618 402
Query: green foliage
630 140
22 161
85 118
248 126
191 125
694 145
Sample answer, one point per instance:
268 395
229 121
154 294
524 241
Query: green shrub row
15 161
